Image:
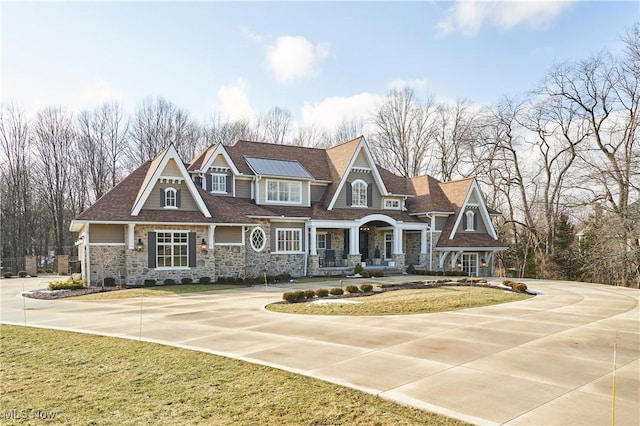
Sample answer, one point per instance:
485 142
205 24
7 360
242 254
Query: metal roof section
279 168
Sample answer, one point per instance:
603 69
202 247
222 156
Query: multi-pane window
469 225
218 183
321 241
283 192
391 204
388 245
359 194
170 197
172 249
258 239
289 240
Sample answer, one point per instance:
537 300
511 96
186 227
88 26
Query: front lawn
437 299
86 379
161 290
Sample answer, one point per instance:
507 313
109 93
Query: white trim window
172 249
288 240
388 245
170 198
258 239
321 241
392 204
469 221
359 193
280 191
219 183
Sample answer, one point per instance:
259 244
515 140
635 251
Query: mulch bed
45 294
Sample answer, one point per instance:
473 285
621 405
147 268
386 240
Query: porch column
312 241
397 240
354 240
130 236
212 241
423 241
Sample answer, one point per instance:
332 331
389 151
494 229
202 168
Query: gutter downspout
306 246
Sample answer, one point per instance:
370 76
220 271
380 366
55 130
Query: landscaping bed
46 294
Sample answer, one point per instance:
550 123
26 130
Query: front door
364 244
470 264
388 245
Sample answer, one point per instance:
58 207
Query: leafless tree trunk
402 131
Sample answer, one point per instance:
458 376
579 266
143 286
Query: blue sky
323 61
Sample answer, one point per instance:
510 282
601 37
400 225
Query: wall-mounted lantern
139 245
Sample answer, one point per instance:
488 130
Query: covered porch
374 241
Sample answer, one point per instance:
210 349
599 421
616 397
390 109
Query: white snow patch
335 301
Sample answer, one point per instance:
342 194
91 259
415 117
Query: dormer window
392 204
219 183
470 221
359 193
170 198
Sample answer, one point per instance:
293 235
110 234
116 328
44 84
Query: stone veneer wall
137 262
110 257
412 248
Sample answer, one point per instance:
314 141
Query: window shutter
178 191
475 221
162 200
370 195
209 180
229 184
151 249
328 241
349 194
192 249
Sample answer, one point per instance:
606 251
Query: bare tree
16 208
455 131
402 131
55 140
275 125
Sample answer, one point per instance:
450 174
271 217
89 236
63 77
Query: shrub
149 282
519 287
309 294
290 297
7 275
377 273
109 282
352 289
169 281
365 274
336 291
411 269
322 292
66 285
358 269
299 295
283 277
366 288
186 280
22 274
204 280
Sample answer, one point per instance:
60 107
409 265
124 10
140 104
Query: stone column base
353 260
399 260
313 265
424 261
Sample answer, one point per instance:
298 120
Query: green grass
398 302
86 379
162 290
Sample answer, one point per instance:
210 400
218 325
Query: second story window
279 191
470 221
359 193
170 198
219 183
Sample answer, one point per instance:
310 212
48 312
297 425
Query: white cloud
414 84
332 111
468 16
234 101
250 34
100 91
293 58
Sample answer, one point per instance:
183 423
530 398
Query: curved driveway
547 360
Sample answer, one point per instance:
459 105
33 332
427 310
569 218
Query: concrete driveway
544 361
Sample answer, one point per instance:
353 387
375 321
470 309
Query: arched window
170 199
470 225
359 193
258 239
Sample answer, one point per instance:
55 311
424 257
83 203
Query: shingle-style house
250 208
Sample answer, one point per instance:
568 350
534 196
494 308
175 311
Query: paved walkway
547 360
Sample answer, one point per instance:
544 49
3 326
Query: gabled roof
342 157
429 196
155 171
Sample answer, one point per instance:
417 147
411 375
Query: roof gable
462 198
210 158
344 157
168 161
